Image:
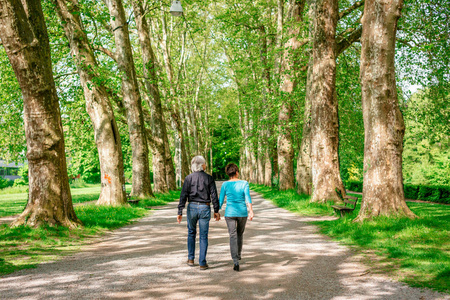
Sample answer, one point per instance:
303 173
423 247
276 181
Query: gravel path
283 258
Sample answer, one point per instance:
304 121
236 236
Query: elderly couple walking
199 189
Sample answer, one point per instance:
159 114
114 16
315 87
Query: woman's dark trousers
236 227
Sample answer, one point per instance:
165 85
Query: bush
433 193
355 186
78 183
23 173
91 177
4 183
411 191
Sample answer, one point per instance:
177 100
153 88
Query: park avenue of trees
303 94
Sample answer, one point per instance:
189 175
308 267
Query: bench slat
350 202
342 207
351 197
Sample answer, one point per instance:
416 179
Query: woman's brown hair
231 170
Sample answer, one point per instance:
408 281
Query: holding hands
216 217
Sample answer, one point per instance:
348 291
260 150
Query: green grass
416 252
13 204
292 201
24 247
14 190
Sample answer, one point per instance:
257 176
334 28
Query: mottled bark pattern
170 168
285 149
260 160
98 107
304 175
383 121
141 186
288 84
267 168
151 83
324 114
24 36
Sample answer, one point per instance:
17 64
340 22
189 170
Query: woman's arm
222 196
248 200
250 211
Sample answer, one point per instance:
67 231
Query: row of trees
296 65
122 82
275 84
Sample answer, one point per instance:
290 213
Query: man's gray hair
197 163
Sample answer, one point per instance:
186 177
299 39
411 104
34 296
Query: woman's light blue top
238 195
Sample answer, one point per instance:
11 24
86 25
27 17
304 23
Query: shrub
91 177
433 193
355 186
23 173
4 183
78 183
411 191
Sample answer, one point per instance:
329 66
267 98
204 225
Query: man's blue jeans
200 213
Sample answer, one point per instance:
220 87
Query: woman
238 195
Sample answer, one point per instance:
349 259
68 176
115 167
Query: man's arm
213 195
184 195
214 198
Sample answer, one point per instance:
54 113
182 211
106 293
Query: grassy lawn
24 247
14 203
416 252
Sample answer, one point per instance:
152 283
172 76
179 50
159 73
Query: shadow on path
284 257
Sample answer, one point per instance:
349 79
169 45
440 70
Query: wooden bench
132 201
349 205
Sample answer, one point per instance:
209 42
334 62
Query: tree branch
63 75
106 51
349 10
106 25
405 42
345 42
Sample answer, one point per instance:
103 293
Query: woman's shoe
236 267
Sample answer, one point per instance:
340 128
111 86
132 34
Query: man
200 189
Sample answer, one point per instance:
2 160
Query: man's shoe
205 267
190 262
236 267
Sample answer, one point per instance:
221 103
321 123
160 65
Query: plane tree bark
304 174
383 121
24 36
141 186
343 41
324 109
288 84
98 106
151 82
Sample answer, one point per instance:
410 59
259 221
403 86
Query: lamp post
176 9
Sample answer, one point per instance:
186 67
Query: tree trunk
142 187
260 160
99 108
151 82
267 168
383 122
304 175
253 165
285 149
288 84
24 35
170 168
325 123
